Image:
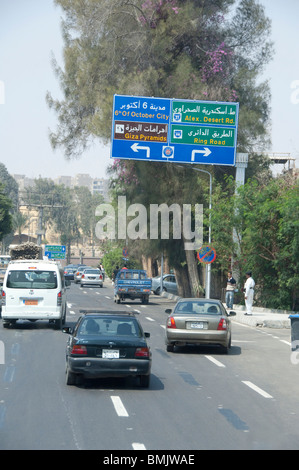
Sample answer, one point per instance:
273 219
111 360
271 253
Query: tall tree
192 49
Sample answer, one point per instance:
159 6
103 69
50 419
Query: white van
34 290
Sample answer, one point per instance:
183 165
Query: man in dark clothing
230 290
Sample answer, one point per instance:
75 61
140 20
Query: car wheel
227 347
58 324
159 289
144 381
70 377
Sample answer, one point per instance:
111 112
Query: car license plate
30 302
91 277
198 325
110 353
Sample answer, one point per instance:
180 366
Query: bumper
98 367
91 283
203 337
8 314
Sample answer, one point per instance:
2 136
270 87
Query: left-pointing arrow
206 152
135 147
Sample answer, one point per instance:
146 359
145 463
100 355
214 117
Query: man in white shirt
249 292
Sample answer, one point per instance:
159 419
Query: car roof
100 312
200 299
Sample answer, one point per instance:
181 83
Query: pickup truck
132 284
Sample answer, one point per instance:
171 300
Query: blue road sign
180 131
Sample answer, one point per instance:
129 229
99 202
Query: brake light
82 277
222 325
101 277
79 349
171 323
142 352
3 298
59 298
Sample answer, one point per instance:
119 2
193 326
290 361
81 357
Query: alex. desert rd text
150 459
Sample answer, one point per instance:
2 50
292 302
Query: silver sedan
93 277
198 321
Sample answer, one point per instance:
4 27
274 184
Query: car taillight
59 298
79 349
101 277
171 323
3 298
222 325
82 277
142 352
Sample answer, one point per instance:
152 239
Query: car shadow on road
206 349
121 383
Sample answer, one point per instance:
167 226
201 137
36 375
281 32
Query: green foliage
5 216
265 217
114 257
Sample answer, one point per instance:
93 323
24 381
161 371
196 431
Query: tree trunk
181 274
195 287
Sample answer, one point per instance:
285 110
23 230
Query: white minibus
34 290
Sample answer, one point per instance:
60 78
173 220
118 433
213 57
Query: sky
30 33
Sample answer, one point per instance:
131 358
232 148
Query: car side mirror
232 314
147 335
168 311
67 329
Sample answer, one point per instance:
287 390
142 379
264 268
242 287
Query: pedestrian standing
249 292
230 290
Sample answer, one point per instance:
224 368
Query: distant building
95 185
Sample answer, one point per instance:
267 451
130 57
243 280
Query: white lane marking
138 446
107 297
149 318
286 342
257 389
218 363
119 407
72 312
163 326
137 311
143 306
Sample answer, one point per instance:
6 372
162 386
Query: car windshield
206 308
109 326
32 279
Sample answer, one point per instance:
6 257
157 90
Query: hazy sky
30 32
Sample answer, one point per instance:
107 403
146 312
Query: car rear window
205 308
109 327
32 279
91 271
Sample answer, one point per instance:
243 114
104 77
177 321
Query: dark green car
107 344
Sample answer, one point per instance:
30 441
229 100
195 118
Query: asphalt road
198 398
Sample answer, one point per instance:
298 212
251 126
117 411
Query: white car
92 277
